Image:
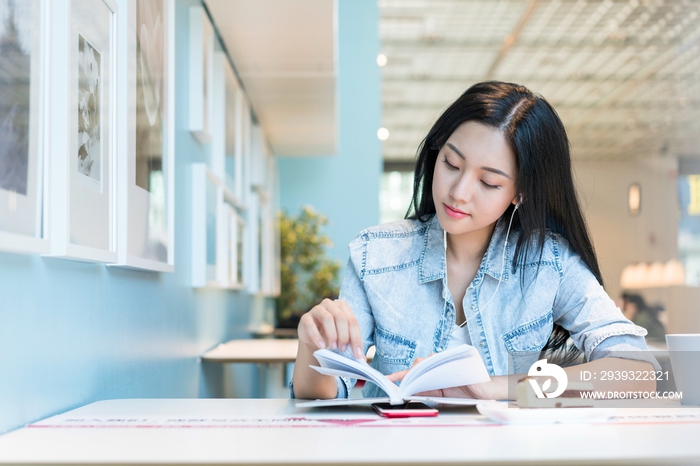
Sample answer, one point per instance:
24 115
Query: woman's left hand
479 391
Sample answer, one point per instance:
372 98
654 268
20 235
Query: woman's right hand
331 324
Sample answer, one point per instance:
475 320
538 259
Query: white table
273 431
262 351
266 352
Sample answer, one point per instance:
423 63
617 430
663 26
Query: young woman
495 254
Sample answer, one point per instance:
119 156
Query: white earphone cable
503 265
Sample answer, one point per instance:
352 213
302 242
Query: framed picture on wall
208 247
83 216
146 173
246 127
263 231
226 157
274 190
236 246
201 74
269 245
23 92
217 159
234 150
84 132
218 233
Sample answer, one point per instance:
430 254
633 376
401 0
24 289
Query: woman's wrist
307 382
495 389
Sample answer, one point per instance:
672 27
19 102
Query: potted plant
307 275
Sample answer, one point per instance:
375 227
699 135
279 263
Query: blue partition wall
345 186
72 333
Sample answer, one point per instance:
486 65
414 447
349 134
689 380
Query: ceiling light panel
623 75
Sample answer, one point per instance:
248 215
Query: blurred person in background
638 311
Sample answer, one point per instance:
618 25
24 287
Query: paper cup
684 351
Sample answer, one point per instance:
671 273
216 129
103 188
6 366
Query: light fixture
382 60
383 134
634 198
652 275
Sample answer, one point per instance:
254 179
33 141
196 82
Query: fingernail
343 348
358 353
321 344
334 345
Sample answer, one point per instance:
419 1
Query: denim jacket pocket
393 349
525 343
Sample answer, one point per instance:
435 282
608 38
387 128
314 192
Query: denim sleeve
352 291
626 347
584 308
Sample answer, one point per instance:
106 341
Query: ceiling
623 75
284 53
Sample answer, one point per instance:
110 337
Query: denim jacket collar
493 262
432 259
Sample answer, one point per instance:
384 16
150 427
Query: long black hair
544 183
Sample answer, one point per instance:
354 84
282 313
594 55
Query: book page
339 402
343 366
437 400
452 368
455 367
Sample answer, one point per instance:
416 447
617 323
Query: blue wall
72 333
345 186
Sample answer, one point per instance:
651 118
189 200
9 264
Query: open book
455 367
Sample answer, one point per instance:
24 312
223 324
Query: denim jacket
395 283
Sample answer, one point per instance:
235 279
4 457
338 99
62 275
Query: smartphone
410 409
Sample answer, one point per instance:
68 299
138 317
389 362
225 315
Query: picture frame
246 127
218 233
84 130
226 156
204 222
256 201
217 161
270 281
235 247
251 271
276 252
219 228
201 97
146 168
233 133
24 91
263 184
